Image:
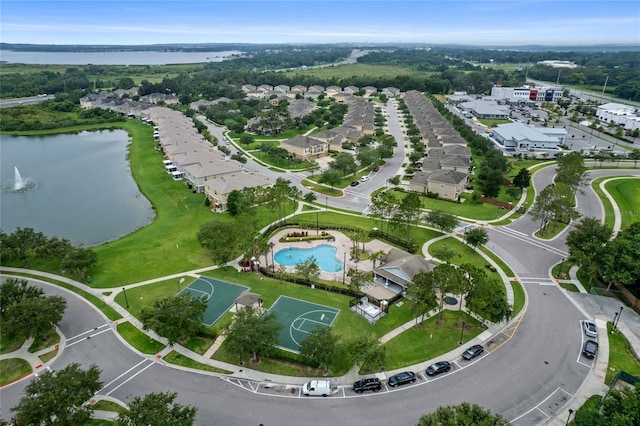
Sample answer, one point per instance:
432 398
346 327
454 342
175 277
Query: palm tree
377 255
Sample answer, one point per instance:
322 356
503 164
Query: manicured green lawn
626 193
518 297
41 342
10 344
464 254
620 356
138 339
12 369
429 341
507 271
176 358
609 217
105 405
466 209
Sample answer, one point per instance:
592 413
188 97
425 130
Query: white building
526 94
523 137
620 114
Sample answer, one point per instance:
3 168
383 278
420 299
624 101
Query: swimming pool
325 257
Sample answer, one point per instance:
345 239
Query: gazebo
248 299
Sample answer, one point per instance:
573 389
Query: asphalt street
528 378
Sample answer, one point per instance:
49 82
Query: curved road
528 379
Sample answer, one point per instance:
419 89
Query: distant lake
114 58
84 188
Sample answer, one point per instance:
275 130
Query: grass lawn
508 272
569 287
48 356
626 193
174 357
466 209
10 344
620 357
105 405
518 297
609 217
198 345
48 339
429 341
551 231
322 188
12 369
138 339
464 254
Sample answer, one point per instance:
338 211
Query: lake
78 187
114 58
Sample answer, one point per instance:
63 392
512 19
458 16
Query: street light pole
344 267
273 265
618 320
569 417
461 333
126 301
326 204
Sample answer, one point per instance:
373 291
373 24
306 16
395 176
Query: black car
402 378
438 367
590 349
355 183
372 384
472 352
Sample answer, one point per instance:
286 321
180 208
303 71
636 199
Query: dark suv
590 349
402 378
438 367
473 352
367 385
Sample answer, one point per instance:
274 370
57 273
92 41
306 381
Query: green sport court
299 318
219 296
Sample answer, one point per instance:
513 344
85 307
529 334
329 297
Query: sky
505 22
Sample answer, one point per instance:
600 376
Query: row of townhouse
445 170
358 122
266 91
188 156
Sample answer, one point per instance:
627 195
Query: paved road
528 379
6 103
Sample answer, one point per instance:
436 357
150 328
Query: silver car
590 329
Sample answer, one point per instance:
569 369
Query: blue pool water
325 257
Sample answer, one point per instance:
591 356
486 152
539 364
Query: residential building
398 268
305 147
218 188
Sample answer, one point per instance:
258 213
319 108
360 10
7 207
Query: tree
220 239
175 317
622 407
26 311
488 299
331 177
308 267
409 212
619 260
446 278
514 192
157 408
421 292
377 255
253 333
367 350
635 156
476 237
571 170
585 242
359 278
383 205
367 156
58 397
464 414
556 202
522 179
445 253
78 261
309 197
320 347
442 219
344 162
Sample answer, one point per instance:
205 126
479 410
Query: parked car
438 367
472 352
317 388
364 178
402 378
372 384
590 328
376 168
355 183
590 349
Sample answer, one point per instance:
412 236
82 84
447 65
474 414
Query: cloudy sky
506 22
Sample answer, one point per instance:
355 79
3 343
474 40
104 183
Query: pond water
325 257
73 186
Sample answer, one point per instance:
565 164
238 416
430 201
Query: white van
317 388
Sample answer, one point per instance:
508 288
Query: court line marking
211 283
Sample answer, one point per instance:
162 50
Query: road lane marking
88 337
129 379
88 331
123 374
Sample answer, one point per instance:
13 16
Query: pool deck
342 243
